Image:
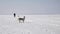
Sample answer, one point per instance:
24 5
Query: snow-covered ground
34 24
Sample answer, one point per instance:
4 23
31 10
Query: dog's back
21 18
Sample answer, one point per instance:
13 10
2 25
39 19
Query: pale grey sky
29 7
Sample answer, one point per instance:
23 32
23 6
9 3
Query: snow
34 24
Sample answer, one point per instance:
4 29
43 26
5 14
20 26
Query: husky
21 19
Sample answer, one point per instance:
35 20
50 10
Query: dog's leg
23 21
19 21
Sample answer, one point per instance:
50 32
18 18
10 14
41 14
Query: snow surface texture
34 24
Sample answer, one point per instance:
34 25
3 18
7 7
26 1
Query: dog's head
24 17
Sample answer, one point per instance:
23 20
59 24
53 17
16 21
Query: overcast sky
29 7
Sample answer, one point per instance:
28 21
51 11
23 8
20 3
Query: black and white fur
21 19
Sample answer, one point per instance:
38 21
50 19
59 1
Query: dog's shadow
28 22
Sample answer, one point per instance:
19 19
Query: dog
21 19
